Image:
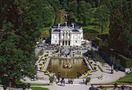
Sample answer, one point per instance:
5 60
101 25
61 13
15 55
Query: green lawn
39 84
126 79
39 88
95 29
44 32
91 29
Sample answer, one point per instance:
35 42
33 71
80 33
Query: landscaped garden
39 88
25 22
126 79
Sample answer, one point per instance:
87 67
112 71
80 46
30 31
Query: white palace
66 34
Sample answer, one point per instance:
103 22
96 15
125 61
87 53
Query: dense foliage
121 27
19 24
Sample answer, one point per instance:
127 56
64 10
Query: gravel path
68 87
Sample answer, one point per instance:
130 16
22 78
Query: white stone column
60 42
65 39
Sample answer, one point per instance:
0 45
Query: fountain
68 68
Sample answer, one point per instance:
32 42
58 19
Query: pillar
67 42
64 42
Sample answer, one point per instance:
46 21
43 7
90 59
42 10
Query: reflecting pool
67 68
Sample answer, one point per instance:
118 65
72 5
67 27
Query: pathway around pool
69 87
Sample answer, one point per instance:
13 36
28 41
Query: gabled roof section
56 30
75 30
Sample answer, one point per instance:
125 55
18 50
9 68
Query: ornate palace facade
66 35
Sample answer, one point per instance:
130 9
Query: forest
22 23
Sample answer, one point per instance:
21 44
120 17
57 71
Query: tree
20 21
120 31
102 17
